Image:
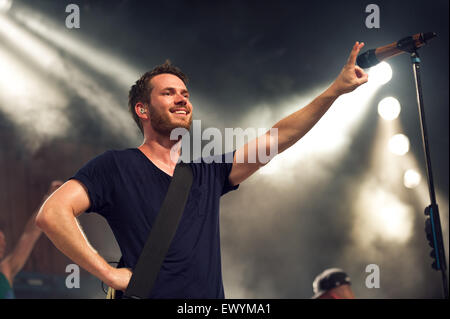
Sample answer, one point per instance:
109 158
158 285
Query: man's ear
141 110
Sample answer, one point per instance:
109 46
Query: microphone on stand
409 44
432 225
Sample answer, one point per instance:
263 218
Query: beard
163 123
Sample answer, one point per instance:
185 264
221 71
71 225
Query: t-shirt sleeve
97 176
223 172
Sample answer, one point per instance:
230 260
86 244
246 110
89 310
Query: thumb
363 79
359 72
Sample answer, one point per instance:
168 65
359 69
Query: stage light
35 49
389 108
380 214
22 89
380 74
55 65
100 60
399 144
327 142
411 178
5 5
394 220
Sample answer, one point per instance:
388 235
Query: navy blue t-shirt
127 189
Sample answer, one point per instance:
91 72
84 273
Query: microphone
409 44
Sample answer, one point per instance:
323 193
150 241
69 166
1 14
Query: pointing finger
353 55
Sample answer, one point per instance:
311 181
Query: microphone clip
412 43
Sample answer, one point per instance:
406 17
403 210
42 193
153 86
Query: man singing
127 187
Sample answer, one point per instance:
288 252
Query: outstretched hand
351 76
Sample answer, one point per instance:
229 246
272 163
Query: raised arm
15 261
57 218
295 126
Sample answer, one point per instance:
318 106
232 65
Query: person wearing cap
332 283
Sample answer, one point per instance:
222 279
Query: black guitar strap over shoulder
161 234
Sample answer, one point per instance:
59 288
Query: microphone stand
433 224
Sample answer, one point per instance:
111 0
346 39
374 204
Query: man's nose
180 99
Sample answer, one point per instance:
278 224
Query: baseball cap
329 279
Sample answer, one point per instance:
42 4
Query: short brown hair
141 90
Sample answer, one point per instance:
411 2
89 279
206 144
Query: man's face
169 104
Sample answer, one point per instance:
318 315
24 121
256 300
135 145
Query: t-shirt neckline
151 162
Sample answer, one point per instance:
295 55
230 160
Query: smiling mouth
180 111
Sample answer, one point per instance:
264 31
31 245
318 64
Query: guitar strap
161 235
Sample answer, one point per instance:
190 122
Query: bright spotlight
381 215
399 144
380 74
5 5
411 179
389 108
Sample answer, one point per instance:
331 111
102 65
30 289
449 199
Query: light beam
389 108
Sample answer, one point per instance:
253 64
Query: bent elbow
43 218
40 220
